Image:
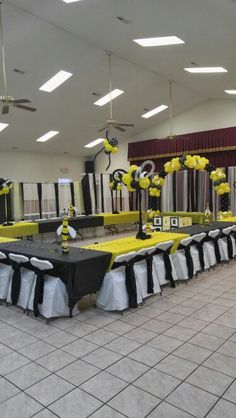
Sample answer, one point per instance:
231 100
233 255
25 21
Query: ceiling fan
172 135
112 122
7 100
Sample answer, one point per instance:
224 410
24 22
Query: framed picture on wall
157 221
174 222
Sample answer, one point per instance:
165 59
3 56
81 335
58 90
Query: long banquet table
82 270
197 229
125 245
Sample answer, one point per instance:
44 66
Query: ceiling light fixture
232 91
159 41
47 136
204 70
94 143
154 111
3 126
110 96
70 1
55 81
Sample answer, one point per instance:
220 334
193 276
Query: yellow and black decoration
65 230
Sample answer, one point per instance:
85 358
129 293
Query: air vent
17 70
123 20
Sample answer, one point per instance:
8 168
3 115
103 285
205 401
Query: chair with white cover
6 273
163 264
211 248
21 283
225 244
119 290
145 273
200 260
49 297
233 238
183 261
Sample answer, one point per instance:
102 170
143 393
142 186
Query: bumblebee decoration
65 230
71 211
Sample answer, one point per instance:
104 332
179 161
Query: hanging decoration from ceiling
110 146
195 162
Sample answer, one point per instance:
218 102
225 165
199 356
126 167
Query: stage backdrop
218 145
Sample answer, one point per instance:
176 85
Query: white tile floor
174 357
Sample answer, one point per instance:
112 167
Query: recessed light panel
232 91
3 126
94 143
205 70
55 81
159 41
70 1
47 136
154 111
110 96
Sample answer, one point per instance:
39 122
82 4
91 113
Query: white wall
21 166
212 114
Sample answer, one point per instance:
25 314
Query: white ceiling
44 36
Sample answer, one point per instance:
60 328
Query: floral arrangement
195 162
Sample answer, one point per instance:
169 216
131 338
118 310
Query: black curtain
174 191
3 216
56 188
39 188
86 195
102 194
72 192
95 193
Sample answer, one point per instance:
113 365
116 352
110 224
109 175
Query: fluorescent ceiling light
3 126
232 91
202 70
154 111
55 81
47 136
94 143
159 41
70 1
110 96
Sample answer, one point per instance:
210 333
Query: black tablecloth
78 222
81 270
197 229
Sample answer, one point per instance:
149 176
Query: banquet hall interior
117 209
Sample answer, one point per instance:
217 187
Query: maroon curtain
218 145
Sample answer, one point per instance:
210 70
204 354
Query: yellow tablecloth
3 239
121 218
19 229
125 245
231 219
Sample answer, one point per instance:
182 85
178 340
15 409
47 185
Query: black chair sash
216 247
39 288
199 246
189 259
167 264
229 245
129 281
16 281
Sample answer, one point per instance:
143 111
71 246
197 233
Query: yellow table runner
125 245
231 219
122 217
19 229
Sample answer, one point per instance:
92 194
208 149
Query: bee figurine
65 230
71 211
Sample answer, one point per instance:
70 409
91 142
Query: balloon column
5 187
135 179
115 186
110 146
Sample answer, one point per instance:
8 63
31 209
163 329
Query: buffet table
81 270
197 229
125 245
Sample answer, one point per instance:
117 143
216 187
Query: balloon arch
195 162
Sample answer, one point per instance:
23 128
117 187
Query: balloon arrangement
5 187
195 162
135 179
110 146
